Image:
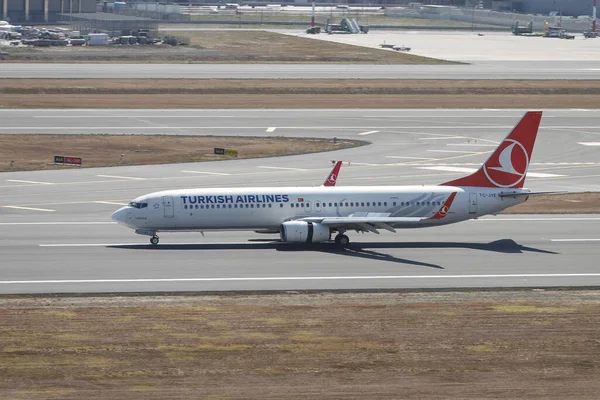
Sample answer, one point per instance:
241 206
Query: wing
373 221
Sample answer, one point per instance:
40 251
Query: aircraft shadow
354 249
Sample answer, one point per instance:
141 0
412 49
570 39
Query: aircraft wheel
342 240
154 240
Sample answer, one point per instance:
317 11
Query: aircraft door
318 206
168 206
472 203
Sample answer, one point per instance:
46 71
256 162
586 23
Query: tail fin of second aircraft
508 164
332 178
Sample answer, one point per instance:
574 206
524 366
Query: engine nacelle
304 232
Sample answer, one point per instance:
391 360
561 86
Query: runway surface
57 235
481 70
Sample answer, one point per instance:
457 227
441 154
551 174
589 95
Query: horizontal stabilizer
520 194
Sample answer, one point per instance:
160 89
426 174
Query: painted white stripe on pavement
35 182
469 170
285 168
30 208
110 202
367 133
589 143
270 130
497 219
299 278
412 158
575 240
148 244
58 223
205 173
122 177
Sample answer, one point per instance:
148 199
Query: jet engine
304 232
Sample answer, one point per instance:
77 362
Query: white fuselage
267 208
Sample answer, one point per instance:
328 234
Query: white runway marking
367 133
110 202
58 223
499 219
35 182
412 158
452 151
30 208
205 173
145 244
589 143
299 278
450 169
271 130
444 137
284 168
575 240
472 144
122 177
469 170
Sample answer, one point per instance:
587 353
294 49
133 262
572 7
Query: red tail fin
507 166
332 178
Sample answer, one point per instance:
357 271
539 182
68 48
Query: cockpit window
138 205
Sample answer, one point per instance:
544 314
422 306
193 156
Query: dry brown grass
232 93
482 346
34 152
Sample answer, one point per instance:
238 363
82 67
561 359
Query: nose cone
120 215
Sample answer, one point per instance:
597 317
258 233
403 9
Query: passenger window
379 204
251 205
351 204
185 207
213 206
307 204
247 205
368 204
292 205
335 204
346 204
281 205
330 205
196 206
394 203
270 205
385 203
317 204
362 204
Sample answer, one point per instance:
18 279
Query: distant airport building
566 7
31 11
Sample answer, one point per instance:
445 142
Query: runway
482 70
493 252
57 235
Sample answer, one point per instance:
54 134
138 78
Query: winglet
332 178
443 211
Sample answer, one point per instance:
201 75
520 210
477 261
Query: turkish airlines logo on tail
332 178
508 165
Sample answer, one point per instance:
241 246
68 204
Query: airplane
313 214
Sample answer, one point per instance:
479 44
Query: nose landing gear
154 240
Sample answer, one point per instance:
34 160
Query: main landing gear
342 240
154 240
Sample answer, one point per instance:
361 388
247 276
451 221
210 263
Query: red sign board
68 160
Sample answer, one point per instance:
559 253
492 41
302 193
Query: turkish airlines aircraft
312 214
